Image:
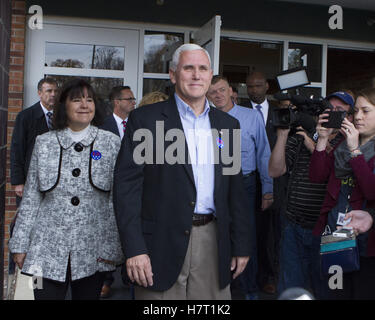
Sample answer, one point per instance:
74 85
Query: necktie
49 119
259 108
124 125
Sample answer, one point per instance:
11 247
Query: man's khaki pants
199 277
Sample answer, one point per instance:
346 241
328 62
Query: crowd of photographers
322 161
325 148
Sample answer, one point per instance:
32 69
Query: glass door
105 57
208 37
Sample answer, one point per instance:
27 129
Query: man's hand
267 201
309 143
19 259
282 132
361 221
139 270
19 190
323 132
238 264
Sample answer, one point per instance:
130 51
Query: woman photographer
65 232
349 169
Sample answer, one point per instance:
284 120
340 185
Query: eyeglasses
127 99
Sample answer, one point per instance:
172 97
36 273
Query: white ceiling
355 4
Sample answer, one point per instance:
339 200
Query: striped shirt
305 198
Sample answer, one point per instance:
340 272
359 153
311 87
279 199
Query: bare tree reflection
108 58
68 63
159 53
97 57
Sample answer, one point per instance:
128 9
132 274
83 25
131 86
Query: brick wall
5 33
15 103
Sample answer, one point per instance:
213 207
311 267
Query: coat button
187 232
192 204
78 147
75 201
76 172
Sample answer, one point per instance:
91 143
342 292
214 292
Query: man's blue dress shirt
255 149
198 135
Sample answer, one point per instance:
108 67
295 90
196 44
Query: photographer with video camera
349 170
299 259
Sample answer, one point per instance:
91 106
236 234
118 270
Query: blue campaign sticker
220 143
96 155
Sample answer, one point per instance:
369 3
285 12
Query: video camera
296 113
302 110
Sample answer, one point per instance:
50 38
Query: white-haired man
183 225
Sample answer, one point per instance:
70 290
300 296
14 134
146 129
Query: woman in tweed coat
65 230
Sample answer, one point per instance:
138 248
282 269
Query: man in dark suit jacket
123 101
182 235
268 221
30 123
257 87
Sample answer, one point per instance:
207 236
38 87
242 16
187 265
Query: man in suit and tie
123 101
257 87
183 225
30 123
268 221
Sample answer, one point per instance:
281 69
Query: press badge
341 219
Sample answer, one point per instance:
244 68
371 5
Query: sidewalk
24 291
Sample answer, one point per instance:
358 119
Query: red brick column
15 103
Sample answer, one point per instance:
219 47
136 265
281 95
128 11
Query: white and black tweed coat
66 210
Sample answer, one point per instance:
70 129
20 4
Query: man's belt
249 174
202 219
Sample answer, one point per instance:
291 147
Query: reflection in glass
239 58
162 85
102 86
68 55
158 50
306 55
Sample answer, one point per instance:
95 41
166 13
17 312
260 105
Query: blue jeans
299 258
248 279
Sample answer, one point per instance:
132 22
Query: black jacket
154 203
30 123
110 124
270 129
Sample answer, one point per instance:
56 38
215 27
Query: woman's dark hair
71 90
